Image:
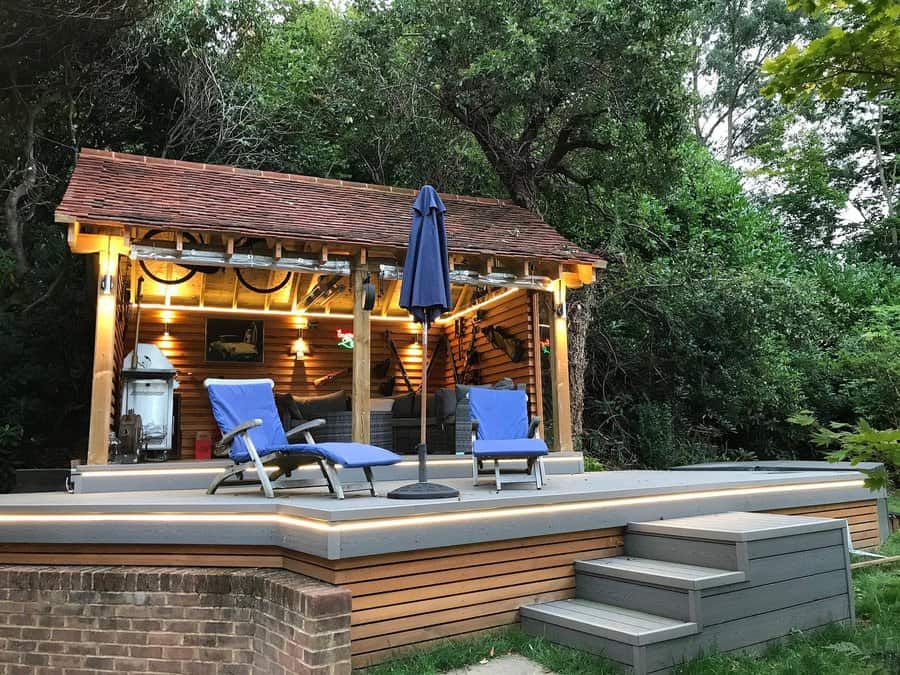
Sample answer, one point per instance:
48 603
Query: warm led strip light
312 467
474 308
324 315
278 312
410 521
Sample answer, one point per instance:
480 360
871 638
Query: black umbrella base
424 491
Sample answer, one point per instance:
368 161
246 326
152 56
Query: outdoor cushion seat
501 430
349 455
517 447
252 431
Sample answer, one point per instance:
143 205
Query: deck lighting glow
412 521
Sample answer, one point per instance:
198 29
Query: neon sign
345 339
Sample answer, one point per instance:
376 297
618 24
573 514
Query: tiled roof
169 194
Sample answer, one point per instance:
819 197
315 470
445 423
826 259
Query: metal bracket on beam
336 265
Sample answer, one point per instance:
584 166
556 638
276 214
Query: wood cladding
862 517
516 316
399 601
185 348
410 599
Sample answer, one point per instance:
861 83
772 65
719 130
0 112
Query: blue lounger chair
251 429
501 430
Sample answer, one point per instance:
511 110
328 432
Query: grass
871 647
450 655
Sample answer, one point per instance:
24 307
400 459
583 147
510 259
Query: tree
731 41
805 184
543 87
43 46
859 52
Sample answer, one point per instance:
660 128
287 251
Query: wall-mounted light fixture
300 348
167 318
107 281
559 299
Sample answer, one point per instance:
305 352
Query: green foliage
859 52
10 435
855 443
812 189
591 464
461 653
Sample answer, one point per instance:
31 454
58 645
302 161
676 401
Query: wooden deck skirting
413 598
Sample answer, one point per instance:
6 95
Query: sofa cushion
313 407
462 390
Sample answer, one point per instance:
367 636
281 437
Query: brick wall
87 620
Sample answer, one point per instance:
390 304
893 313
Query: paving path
513 664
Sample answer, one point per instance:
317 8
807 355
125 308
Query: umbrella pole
423 398
423 489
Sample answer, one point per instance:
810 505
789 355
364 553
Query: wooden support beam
201 299
362 390
292 293
323 254
104 358
388 299
465 295
559 370
234 292
72 236
268 297
279 250
229 247
538 376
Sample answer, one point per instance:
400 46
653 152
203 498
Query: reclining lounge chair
251 430
501 430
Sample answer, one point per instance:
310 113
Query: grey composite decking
776 574
311 522
661 572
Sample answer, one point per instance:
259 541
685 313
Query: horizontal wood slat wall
185 347
861 516
401 603
411 598
513 314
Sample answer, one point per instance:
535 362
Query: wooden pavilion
293 254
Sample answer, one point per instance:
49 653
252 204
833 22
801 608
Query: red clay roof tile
168 194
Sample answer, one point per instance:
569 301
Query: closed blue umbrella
425 293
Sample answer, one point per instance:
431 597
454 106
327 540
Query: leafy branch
855 443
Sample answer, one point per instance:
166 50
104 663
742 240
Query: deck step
608 621
733 526
660 572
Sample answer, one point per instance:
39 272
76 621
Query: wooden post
559 371
104 356
362 391
538 375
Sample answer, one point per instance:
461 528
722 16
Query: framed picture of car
234 340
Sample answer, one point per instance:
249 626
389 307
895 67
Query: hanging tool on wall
441 345
396 353
137 321
509 344
330 377
382 371
471 374
456 379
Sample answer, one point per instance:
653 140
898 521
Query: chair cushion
501 414
519 447
237 401
349 455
